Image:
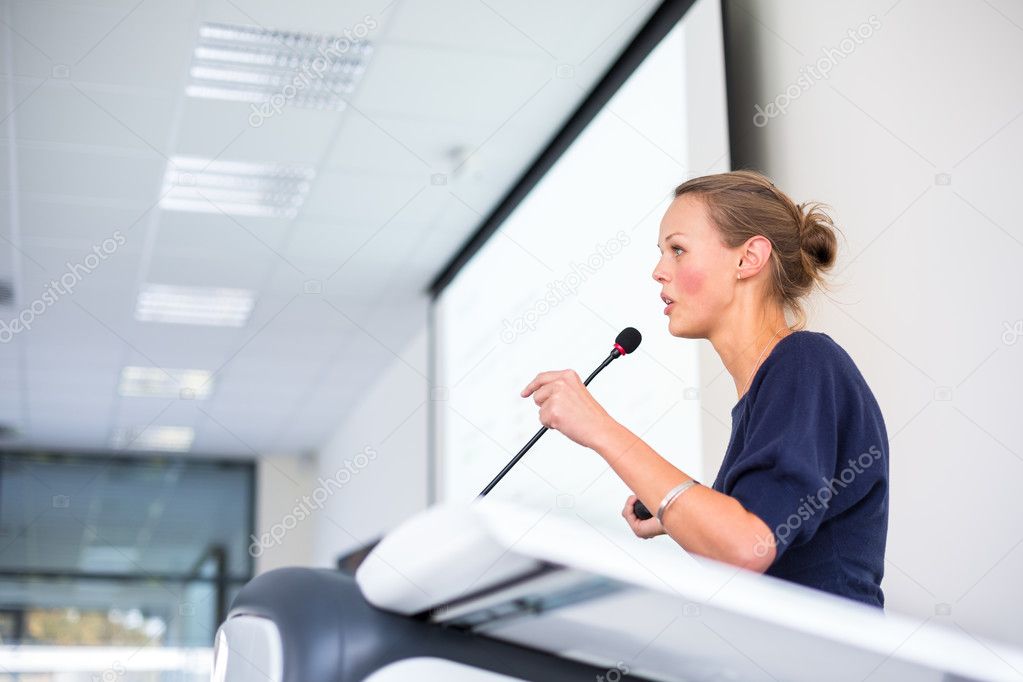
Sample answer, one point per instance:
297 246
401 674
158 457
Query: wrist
609 439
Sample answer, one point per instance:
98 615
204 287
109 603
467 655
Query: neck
746 340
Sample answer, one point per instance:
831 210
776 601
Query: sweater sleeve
790 452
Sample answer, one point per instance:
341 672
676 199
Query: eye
678 250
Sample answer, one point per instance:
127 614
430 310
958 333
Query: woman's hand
566 405
646 529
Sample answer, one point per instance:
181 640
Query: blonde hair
745 203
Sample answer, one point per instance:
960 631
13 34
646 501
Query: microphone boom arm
514 460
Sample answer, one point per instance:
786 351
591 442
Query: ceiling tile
89 175
78 228
219 129
567 32
445 86
64 112
371 199
481 28
131 44
395 146
211 270
185 233
331 18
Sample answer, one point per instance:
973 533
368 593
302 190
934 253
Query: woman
802 493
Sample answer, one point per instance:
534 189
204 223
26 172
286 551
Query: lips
670 303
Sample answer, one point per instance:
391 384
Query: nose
659 276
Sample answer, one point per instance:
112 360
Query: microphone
626 342
641 512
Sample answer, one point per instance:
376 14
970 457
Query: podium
494 592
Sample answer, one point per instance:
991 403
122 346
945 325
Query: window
113 551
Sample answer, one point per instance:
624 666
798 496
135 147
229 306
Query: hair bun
817 238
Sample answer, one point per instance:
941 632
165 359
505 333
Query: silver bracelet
672 494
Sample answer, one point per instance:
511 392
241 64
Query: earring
738 275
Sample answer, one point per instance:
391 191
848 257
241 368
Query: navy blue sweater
809 456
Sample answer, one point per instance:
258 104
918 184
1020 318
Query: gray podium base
329 633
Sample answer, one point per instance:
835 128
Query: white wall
282 538
915 139
379 453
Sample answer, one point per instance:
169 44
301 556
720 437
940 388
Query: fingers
540 379
630 517
628 513
545 378
543 393
642 528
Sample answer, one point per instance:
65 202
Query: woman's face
696 270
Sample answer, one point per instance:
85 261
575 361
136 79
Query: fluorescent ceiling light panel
143 382
213 306
167 438
269 190
277 68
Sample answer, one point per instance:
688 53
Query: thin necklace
757 363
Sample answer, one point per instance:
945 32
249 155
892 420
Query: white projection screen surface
550 290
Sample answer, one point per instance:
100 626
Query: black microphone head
629 339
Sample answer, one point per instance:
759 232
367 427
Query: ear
754 255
